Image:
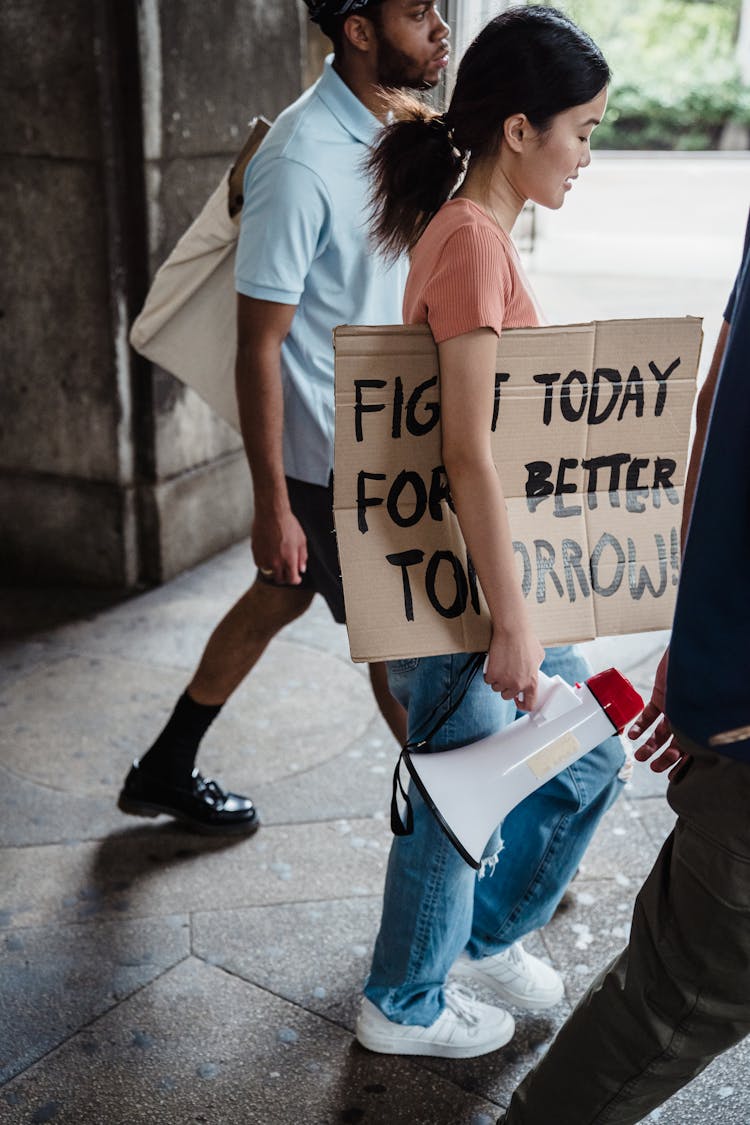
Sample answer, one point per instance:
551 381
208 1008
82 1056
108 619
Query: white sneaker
464 1029
514 976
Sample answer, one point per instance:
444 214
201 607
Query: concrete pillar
118 119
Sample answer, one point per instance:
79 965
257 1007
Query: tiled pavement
152 976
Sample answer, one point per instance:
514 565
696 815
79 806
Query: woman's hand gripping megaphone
518 676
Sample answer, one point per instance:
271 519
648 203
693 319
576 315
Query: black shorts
312 504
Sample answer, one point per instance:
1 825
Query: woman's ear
516 130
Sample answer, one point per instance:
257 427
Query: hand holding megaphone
471 789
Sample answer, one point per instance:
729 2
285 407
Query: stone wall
118 120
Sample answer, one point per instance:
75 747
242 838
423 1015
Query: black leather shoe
203 805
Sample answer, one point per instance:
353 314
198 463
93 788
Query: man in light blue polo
303 266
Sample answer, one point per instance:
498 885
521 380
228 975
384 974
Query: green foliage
640 119
675 78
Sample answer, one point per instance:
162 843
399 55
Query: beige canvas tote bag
188 321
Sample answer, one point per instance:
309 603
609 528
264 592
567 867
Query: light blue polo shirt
303 241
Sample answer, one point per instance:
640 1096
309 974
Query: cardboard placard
590 440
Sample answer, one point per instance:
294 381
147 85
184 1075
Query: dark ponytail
415 166
532 60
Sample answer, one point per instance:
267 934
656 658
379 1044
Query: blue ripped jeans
435 905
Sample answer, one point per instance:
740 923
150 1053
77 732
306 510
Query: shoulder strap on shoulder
259 126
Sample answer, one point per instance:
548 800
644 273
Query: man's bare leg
239 640
241 637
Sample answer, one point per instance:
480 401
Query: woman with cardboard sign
448 188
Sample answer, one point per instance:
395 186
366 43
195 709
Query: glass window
466 18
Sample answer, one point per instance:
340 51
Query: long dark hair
531 60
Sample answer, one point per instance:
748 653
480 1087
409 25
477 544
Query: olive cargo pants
679 994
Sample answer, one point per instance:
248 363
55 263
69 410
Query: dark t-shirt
729 310
708 683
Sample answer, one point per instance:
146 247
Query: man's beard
398 70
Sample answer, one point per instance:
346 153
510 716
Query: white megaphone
472 789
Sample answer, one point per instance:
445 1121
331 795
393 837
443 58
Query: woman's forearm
482 515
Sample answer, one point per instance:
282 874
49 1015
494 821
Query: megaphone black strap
399 827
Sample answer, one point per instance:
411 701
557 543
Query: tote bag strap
259 126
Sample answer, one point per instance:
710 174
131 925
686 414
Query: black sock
172 756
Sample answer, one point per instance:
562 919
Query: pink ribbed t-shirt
465 274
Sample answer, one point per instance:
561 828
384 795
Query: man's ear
516 130
358 32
